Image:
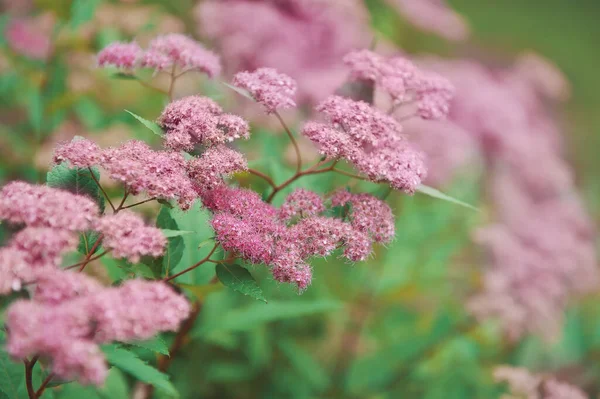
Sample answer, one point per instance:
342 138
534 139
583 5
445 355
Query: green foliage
163 266
154 128
82 11
239 279
76 180
156 344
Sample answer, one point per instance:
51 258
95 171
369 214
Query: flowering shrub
98 271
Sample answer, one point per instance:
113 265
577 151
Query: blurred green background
393 327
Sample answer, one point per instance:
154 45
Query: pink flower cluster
273 90
312 37
284 239
524 384
164 52
215 163
404 82
81 315
199 120
371 140
27 38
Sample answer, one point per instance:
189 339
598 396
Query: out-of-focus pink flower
301 203
120 55
43 246
41 206
433 16
311 38
182 51
273 90
199 120
81 360
523 383
161 174
127 236
14 270
79 152
370 140
54 287
546 77
215 164
27 38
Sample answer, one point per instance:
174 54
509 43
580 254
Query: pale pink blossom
81 360
14 270
56 286
26 37
41 206
121 55
301 203
127 236
215 164
273 90
79 152
43 246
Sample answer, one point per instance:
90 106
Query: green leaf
164 202
206 242
149 124
432 192
115 386
309 369
240 91
124 76
87 241
156 344
76 391
168 233
11 376
239 279
130 363
163 265
201 291
76 180
82 11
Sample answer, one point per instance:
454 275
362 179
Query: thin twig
45 383
195 265
348 174
139 203
84 261
172 84
88 257
29 365
310 171
101 189
264 176
122 202
293 140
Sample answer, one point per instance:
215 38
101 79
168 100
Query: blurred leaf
115 386
309 369
163 265
76 180
35 110
201 291
240 280
432 192
156 344
168 233
77 391
124 76
130 363
90 113
240 91
82 11
87 241
11 376
153 126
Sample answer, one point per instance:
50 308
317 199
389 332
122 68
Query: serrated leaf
168 233
124 76
432 192
240 91
11 376
163 265
156 344
149 124
239 279
201 291
131 364
76 180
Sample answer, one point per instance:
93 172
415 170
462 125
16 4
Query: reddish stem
195 265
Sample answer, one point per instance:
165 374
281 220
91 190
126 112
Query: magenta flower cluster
275 91
164 53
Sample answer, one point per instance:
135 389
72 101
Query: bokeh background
393 327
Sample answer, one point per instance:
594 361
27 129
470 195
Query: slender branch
293 140
101 189
29 365
138 203
45 383
172 84
264 176
195 265
310 171
348 174
84 261
88 257
122 202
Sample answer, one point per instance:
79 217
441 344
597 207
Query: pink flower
182 51
214 164
523 383
243 237
160 174
126 235
292 270
81 360
137 310
54 287
27 38
43 246
79 152
274 90
199 120
301 203
14 270
120 55
41 206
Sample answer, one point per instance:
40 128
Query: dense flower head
44 246
79 152
137 310
199 120
160 174
370 140
127 236
42 206
56 286
26 37
523 383
301 203
289 268
182 51
214 164
240 202
81 360
120 55
433 16
14 270
243 237
368 214
273 90
404 82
